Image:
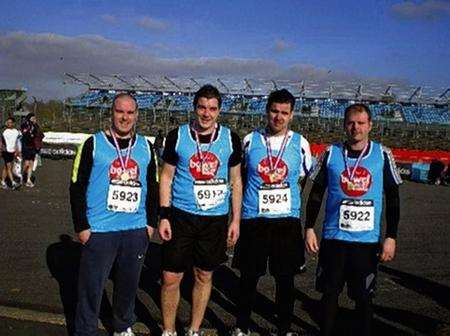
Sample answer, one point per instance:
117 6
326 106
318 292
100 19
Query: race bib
356 215
210 193
274 199
124 196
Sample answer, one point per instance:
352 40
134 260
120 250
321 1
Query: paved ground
39 266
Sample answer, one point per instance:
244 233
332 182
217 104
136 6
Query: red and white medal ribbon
124 164
197 141
273 166
351 174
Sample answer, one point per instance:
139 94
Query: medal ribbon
197 141
351 174
280 153
123 163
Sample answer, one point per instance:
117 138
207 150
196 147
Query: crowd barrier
412 164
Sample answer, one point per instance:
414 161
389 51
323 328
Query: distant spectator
10 149
159 143
436 171
31 145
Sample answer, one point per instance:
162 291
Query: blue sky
407 41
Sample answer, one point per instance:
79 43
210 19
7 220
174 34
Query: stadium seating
327 108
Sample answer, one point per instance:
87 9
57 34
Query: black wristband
165 212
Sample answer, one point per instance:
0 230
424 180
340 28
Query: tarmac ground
39 265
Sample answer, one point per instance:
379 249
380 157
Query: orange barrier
401 154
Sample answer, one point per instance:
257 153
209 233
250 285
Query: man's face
279 116
357 127
124 115
9 123
207 112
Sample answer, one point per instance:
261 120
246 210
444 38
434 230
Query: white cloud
426 10
150 23
39 62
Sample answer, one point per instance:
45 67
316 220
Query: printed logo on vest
276 176
116 172
205 170
359 185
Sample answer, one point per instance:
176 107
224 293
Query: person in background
10 149
31 145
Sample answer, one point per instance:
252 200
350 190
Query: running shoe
127 332
238 332
29 184
169 333
4 185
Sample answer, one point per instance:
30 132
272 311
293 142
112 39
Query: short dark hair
280 96
123 95
358 108
207 91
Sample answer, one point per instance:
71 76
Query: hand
164 229
83 236
312 247
233 234
150 231
388 252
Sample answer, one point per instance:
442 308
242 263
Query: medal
125 175
273 166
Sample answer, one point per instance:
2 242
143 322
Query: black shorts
277 240
199 241
343 262
8 157
28 153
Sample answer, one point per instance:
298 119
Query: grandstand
399 112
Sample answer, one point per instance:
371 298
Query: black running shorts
199 241
352 263
276 240
8 157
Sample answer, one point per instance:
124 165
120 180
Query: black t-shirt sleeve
391 182
81 173
152 199
236 155
169 154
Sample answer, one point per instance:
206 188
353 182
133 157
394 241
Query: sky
337 40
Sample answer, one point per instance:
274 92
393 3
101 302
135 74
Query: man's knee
202 277
172 280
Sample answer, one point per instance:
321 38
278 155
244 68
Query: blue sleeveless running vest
257 152
100 218
185 182
353 201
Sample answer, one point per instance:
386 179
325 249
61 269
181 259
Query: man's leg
97 257
130 258
170 298
284 301
247 292
9 173
200 296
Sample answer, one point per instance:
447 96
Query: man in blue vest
201 173
356 173
275 160
114 200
